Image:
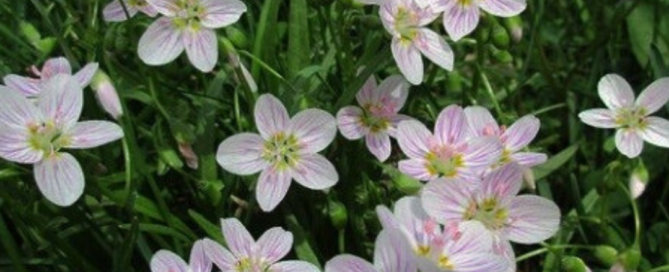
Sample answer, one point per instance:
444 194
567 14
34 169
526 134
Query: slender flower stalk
167 261
462 16
31 86
114 12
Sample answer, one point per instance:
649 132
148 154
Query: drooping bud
187 152
606 254
630 259
515 27
338 214
500 37
573 264
638 180
107 95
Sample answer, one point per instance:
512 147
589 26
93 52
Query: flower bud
338 215
606 254
515 27
573 264
237 37
638 180
189 155
500 38
630 259
107 95
502 56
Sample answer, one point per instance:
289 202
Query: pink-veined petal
413 138
392 93
199 261
379 144
529 159
387 218
27 86
416 168
410 213
482 152
270 115
220 256
446 200
371 2
451 126
91 134
533 219
479 262
60 179
408 59
600 118
629 142
655 96
314 129
348 263
113 12
315 172
17 111
241 154
656 131
481 122
61 100
166 261
473 238
503 182
56 66
109 99
460 20
395 121
435 48
349 121
165 7
85 75
392 252
274 244
503 8
272 188
161 43
201 48
149 10
15 146
521 133
503 248
293 266
366 95
615 92
219 13
238 239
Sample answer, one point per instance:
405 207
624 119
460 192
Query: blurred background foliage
141 196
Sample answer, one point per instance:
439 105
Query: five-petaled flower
30 87
391 254
378 118
189 25
450 152
114 12
36 132
166 261
462 16
247 255
286 149
631 118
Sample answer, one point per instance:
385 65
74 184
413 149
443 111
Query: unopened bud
107 95
338 215
630 259
638 180
187 152
573 264
515 27
500 38
606 254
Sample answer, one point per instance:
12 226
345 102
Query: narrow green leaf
301 243
211 229
299 52
159 229
554 162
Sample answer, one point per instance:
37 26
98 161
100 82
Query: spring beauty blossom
188 25
407 22
286 149
526 219
449 152
631 118
114 12
36 132
377 120
462 16
30 87
391 254
246 254
167 261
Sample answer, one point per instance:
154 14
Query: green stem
637 220
491 93
548 248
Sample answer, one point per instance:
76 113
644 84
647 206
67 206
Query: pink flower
166 261
526 219
286 149
30 87
514 139
450 152
245 254
406 21
629 117
462 16
391 254
378 118
189 25
107 95
114 12
36 132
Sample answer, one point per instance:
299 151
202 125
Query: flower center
465 3
281 151
445 263
376 117
47 137
444 161
189 14
405 24
489 213
632 118
251 265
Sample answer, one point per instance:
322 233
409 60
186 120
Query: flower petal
435 48
410 213
113 12
367 94
165 7
503 8
17 111
387 218
221 13
451 126
473 238
60 179
481 122
392 252
600 118
460 20
85 75
408 59
149 10
521 133
656 131
315 172
56 66
379 144
395 121
274 244
270 115
161 43
655 96
479 262
529 159
392 93
27 86
533 219
503 182
416 168
238 239
272 188
349 121
482 152
199 261
91 134
315 129
241 154
615 92
61 100
629 142
293 266
413 138
446 200
166 261
348 263
201 48
15 146
220 256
